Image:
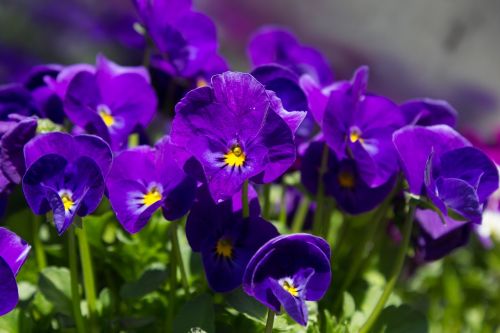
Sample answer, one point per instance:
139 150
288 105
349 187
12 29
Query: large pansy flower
144 179
225 239
237 131
111 102
65 174
439 163
13 253
287 271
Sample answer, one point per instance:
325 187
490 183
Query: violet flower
144 179
112 102
237 131
13 253
428 112
440 164
65 174
342 180
225 239
287 271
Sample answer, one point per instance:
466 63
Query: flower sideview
287 271
65 174
225 239
13 253
235 131
144 179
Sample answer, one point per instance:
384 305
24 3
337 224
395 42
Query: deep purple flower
428 112
186 40
65 174
16 99
342 180
13 253
287 271
440 163
15 132
279 46
144 179
360 125
235 130
225 239
111 102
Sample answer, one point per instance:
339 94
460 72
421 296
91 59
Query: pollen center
287 284
105 115
355 135
201 82
152 196
68 202
346 179
235 156
224 248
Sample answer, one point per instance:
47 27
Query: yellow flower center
105 115
235 157
201 82
67 201
152 196
288 286
346 179
355 135
224 248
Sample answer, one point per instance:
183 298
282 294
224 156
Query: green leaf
54 283
151 280
246 305
349 306
401 319
196 315
8 322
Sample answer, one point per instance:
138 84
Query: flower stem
88 273
266 201
37 243
398 265
75 293
319 227
282 216
177 253
300 215
270 321
244 199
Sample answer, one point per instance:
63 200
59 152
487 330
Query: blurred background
444 49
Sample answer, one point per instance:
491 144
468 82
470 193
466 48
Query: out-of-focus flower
13 253
428 112
236 132
15 99
342 180
111 102
143 179
225 239
65 174
287 271
440 163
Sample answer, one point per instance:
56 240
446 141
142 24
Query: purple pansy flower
110 102
236 132
360 126
225 239
186 40
342 180
144 179
440 163
16 99
13 253
428 112
287 271
279 46
65 174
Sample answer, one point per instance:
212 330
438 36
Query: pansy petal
8 289
428 112
13 250
458 195
294 306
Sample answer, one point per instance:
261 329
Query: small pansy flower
65 174
13 253
235 130
225 239
428 112
144 179
287 271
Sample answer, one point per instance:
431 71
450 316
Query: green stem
282 216
37 243
177 253
88 273
244 199
398 265
266 202
75 293
173 287
300 215
270 321
319 220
